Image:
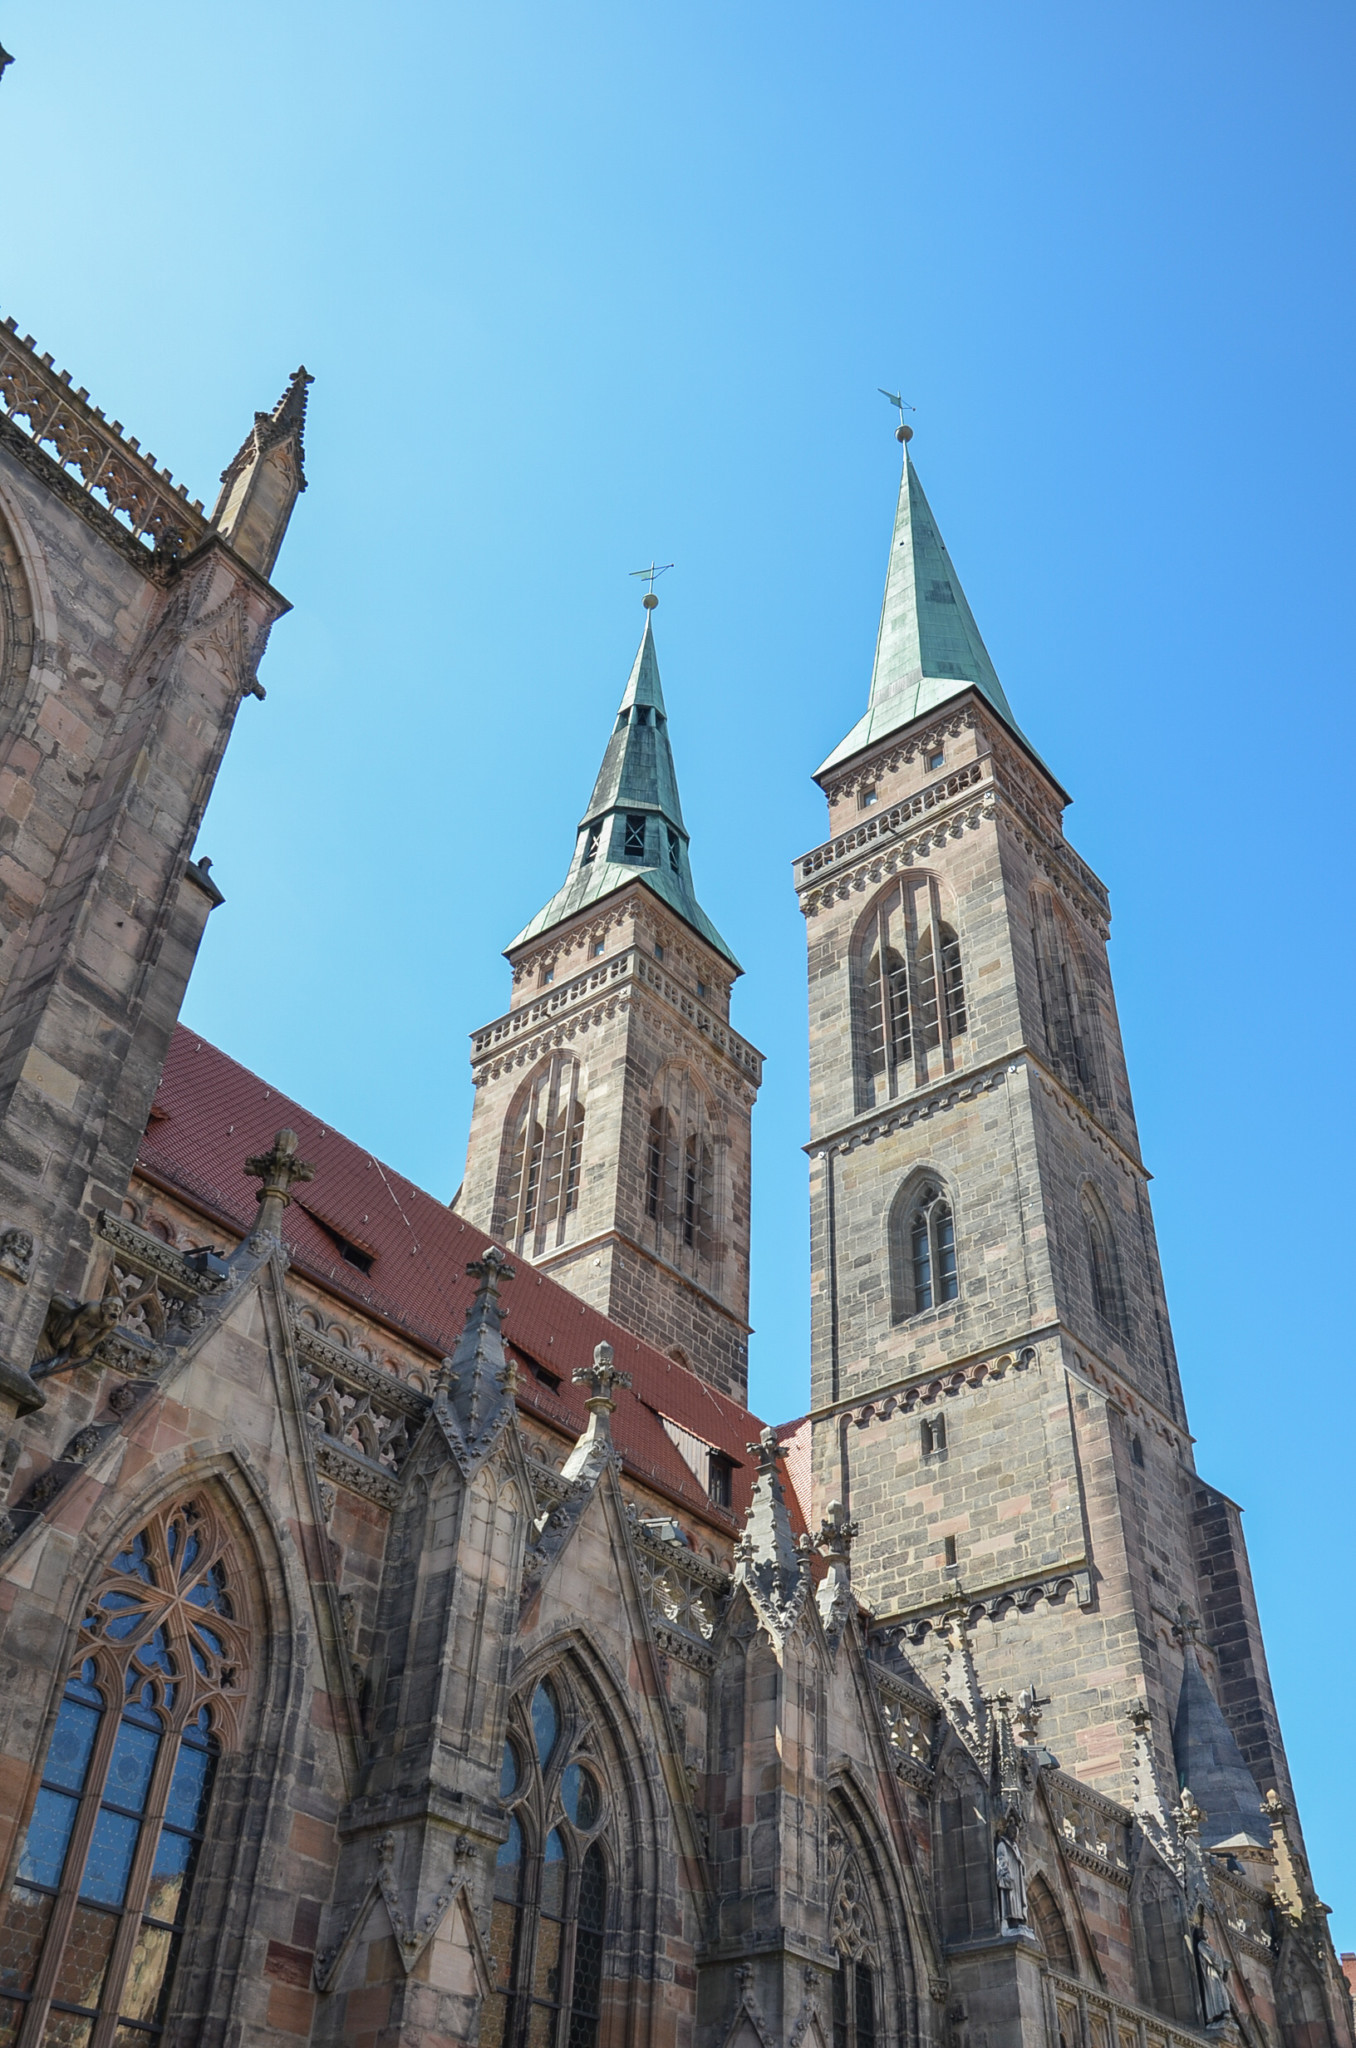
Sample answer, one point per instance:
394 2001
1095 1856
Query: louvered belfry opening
911 991
545 1158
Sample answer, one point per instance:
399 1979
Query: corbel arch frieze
885 760
552 1038
891 857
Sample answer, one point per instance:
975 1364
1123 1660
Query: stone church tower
610 1136
995 1393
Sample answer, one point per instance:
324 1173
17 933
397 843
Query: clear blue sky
582 285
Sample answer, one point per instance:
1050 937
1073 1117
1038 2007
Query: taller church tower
995 1394
610 1134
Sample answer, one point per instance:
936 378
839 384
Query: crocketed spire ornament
768 1561
594 1450
475 1391
834 1544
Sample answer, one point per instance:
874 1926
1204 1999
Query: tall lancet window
96 1911
909 991
923 1251
544 1155
680 1173
1068 1016
549 1920
855 1997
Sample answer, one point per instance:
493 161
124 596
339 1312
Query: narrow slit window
633 844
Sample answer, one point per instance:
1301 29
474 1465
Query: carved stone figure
1011 1870
1212 1970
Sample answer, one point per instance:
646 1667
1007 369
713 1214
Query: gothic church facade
408 1636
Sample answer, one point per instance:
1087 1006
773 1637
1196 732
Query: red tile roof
211 1114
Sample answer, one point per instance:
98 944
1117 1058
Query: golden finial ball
649 600
904 434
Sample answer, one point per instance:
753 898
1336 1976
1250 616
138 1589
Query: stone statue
1212 1970
1011 1871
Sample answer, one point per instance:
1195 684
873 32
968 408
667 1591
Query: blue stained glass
135 1560
129 1773
579 1796
72 1740
82 1686
508 1772
48 1833
154 1654
173 1860
511 1848
545 1720
123 1613
110 1858
210 1591
189 1788
212 1640
553 1876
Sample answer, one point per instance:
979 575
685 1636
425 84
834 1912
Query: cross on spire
655 570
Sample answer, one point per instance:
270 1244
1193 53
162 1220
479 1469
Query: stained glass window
549 1916
95 1914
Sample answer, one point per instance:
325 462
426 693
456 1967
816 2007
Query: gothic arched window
855 2001
1103 1264
910 990
96 1911
1048 1922
545 1156
923 1255
550 1892
680 1172
1067 1014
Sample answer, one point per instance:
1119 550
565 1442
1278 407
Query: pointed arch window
680 1173
545 1158
924 1254
549 1918
1068 1018
910 991
96 1910
855 2017
1051 1931
1103 1265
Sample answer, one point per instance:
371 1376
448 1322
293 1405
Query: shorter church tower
610 1136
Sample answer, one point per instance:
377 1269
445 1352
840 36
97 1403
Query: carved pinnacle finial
1187 1628
836 1534
279 1169
767 1451
603 1377
491 1269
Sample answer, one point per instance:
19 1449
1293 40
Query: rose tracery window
96 1908
550 1890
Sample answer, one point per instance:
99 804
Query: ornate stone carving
16 1253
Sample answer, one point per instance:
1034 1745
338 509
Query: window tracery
910 991
1067 1017
549 1915
923 1254
680 1173
1103 1264
545 1157
96 1909
854 1985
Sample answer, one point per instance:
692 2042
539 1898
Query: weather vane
655 569
903 432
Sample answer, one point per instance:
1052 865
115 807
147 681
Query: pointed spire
1208 1758
633 829
261 485
928 647
834 1543
476 1385
767 1559
959 1684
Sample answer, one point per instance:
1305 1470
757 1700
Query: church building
408 1636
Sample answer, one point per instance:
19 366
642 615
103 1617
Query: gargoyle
74 1330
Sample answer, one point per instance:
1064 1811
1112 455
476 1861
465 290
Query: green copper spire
633 829
928 648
